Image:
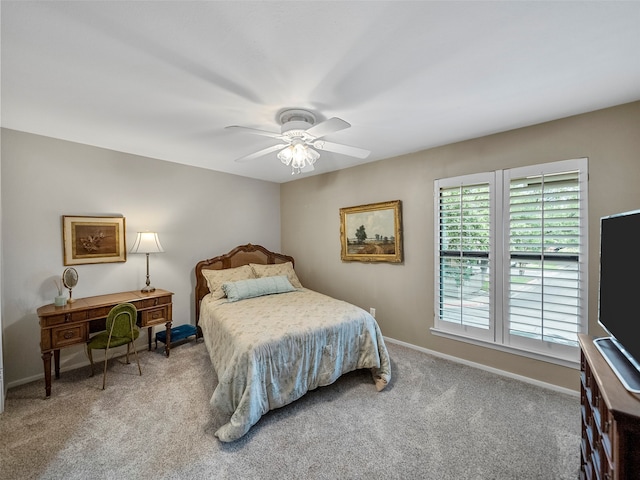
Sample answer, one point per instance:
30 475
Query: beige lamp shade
147 242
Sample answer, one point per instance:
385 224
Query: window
465 248
511 258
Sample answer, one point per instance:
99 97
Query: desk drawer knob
68 334
67 318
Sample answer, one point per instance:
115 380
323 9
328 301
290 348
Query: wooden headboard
242 255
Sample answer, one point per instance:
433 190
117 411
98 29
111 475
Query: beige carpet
436 420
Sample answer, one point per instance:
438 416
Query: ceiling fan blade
255 131
331 125
343 149
262 152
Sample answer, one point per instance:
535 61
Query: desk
61 327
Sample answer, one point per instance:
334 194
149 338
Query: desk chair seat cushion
101 340
119 323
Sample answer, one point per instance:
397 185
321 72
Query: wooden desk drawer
100 312
156 316
63 318
153 302
63 336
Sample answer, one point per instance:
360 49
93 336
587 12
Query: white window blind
465 240
544 287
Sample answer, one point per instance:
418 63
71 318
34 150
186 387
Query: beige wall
197 213
403 295
191 208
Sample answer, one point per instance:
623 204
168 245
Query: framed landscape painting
372 233
93 240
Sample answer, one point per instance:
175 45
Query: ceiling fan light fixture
286 155
312 155
298 155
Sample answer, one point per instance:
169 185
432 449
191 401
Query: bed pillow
215 278
256 287
273 270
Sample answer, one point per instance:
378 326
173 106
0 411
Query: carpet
436 419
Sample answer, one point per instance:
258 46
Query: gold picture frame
371 233
93 240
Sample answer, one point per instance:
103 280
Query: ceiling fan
300 138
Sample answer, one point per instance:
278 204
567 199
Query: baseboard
522 378
67 368
3 387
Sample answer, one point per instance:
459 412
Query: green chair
121 330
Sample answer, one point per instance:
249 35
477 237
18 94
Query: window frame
466 181
499 337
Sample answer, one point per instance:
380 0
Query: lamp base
148 289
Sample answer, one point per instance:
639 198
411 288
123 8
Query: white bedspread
269 351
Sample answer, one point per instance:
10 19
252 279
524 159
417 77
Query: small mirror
70 280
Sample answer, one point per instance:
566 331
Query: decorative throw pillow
215 278
277 269
256 287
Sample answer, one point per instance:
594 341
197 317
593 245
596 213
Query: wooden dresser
62 327
610 447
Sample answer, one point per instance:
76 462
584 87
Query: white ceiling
163 78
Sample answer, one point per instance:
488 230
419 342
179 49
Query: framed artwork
93 240
372 233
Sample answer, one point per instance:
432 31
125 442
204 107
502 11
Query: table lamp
147 242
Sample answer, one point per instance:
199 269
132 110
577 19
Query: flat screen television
619 296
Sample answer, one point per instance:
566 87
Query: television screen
619 308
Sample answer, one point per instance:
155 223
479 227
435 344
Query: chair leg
104 376
128 346
90 354
135 352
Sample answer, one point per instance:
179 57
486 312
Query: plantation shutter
464 247
545 248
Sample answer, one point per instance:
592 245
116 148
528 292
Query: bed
271 340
